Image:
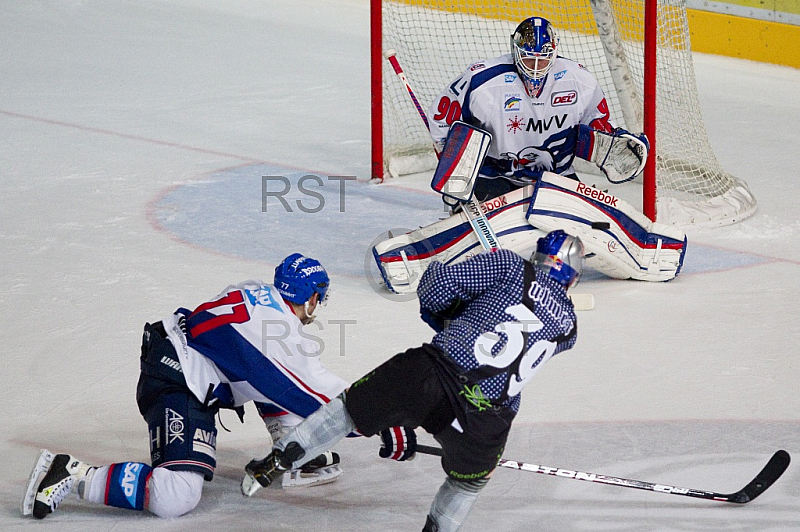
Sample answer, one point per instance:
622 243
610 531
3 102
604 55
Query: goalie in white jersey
246 344
541 109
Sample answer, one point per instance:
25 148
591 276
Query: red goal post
638 50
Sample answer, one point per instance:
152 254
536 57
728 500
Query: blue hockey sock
127 485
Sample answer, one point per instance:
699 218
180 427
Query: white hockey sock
94 490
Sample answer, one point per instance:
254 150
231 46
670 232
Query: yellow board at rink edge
713 33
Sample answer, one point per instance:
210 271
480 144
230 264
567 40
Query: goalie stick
762 481
477 219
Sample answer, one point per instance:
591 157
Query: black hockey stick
771 472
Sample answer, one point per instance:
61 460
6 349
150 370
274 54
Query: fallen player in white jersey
247 344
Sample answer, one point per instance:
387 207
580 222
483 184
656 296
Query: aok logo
563 98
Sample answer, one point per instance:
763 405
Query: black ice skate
62 475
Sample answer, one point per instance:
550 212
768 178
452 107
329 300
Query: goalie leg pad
620 241
403 259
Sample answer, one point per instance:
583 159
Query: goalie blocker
620 241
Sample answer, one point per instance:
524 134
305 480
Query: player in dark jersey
497 319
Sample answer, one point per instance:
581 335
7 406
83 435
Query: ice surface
135 135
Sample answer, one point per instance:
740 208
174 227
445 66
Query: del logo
512 103
129 478
597 195
563 98
510 78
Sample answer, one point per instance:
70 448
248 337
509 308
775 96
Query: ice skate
321 470
60 474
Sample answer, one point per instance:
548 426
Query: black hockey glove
398 443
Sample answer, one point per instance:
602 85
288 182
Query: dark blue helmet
561 256
297 278
534 44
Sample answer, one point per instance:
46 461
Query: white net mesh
436 40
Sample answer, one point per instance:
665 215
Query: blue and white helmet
297 278
561 256
534 45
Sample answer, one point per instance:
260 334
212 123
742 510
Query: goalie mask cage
436 40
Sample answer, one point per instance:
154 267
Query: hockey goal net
436 40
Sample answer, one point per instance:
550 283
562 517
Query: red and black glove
398 443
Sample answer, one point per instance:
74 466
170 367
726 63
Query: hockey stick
477 219
771 472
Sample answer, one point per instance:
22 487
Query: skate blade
298 479
39 470
249 485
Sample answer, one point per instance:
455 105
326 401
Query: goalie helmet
534 44
297 278
561 256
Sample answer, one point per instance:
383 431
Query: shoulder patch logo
510 78
563 98
513 102
559 75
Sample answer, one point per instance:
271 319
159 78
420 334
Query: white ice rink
133 138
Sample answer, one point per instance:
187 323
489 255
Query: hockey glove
398 443
621 155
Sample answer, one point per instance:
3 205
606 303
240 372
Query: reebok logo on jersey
564 98
598 195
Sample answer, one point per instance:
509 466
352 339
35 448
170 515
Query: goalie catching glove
620 155
398 443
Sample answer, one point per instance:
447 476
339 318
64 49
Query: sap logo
263 297
563 98
174 364
513 102
539 126
559 75
130 478
477 66
598 195
510 78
